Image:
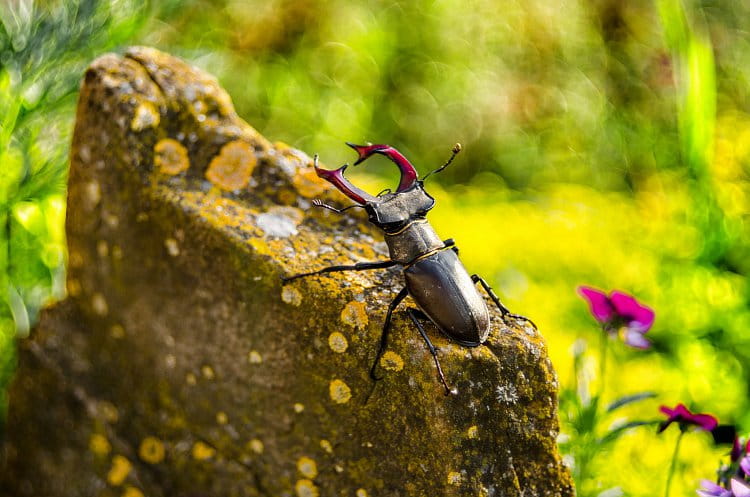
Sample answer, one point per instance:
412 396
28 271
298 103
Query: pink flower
682 415
620 313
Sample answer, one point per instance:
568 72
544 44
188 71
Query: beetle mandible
435 278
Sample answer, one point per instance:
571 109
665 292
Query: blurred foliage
605 143
44 48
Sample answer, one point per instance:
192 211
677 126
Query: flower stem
603 349
673 464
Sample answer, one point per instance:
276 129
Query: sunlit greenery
605 143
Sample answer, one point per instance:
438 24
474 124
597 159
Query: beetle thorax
393 211
416 239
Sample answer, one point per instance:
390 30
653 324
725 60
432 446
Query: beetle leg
413 313
360 266
504 310
386 330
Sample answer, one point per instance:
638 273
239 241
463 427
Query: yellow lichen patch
202 451
337 342
339 391
260 246
361 492
132 492
307 183
454 478
151 450
472 432
254 357
99 304
291 296
99 445
116 331
171 157
391 361
307 467
298 408
231 169
306 488
119 471
108 411
221 418
190 379
146 116
208 372
355 314
326 446
173 248
256 446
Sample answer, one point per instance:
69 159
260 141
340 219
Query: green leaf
629 399
615 433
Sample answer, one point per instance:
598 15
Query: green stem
603 349
673 465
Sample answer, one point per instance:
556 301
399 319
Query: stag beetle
435 277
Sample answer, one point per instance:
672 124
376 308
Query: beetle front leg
386 330
360 266
504 310
413 314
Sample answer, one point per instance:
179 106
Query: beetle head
392 210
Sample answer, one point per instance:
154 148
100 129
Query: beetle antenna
319 203
456 150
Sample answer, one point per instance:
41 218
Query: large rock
180 366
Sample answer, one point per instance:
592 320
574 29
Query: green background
605 143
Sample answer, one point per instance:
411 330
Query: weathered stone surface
179 366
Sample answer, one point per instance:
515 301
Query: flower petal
601 307
711 489
635 338
703 421
745 464
636 314
739 489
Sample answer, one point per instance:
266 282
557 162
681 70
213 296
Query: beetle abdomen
444 291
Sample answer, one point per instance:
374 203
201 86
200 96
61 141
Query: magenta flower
682 415
620 313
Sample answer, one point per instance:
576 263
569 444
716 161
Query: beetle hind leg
414 314
386 331
504 310
360 266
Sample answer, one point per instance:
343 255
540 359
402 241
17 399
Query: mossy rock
179 365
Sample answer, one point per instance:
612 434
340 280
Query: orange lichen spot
99 304
254 357
256 446
173 248
74 287
339 391
132 492
306 488
222 418
361 492
291 296
202 451
454 478
151 450
298 408
146 116
307 467
337 342
391 361
208 372
171 157
99 445
307 183
355 314
119 471
231 169
326 446
472 432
